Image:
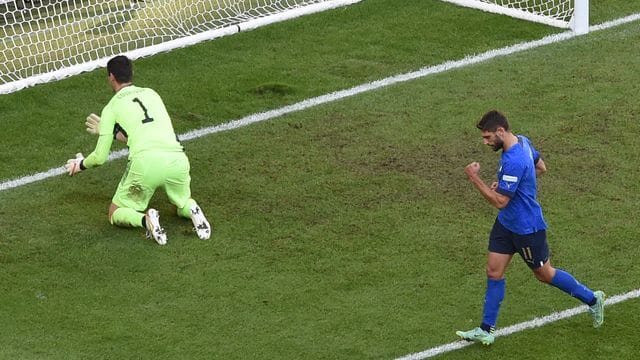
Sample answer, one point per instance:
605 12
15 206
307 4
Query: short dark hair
121 68
492 120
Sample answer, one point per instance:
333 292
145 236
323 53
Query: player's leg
535 252
130 201
496 284
494 294
125 217
178 188
501 251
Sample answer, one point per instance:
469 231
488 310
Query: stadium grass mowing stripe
537 322
338 95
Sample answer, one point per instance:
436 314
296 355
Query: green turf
346 231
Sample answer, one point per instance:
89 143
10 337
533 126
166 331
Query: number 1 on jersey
146 113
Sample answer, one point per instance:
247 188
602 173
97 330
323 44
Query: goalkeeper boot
477 335
200 224
154 230
597 309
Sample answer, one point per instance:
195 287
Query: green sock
127 217
185 211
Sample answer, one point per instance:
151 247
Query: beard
497 145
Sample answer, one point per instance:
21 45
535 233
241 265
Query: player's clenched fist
472 169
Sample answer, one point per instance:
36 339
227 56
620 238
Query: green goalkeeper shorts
150 171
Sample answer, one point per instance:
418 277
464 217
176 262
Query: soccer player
519 227
138 117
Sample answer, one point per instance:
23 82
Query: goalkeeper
138 117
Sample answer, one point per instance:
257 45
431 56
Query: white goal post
573 14
48 40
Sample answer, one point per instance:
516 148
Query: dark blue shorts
532 248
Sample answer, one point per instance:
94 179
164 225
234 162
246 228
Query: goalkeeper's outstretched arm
101 153
96 126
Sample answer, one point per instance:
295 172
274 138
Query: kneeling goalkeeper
138 116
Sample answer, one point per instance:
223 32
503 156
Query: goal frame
579 23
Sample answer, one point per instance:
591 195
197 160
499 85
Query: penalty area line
536 322
342 94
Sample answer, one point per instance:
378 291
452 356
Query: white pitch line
537 322
342 94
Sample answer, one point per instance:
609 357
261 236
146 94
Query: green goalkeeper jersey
140 114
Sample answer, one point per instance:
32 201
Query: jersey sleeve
536 155
105 139
510 176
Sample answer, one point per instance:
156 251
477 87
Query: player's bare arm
121 137
541 167
488 192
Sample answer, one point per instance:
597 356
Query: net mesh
557 9
39 37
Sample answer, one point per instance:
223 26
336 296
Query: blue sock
567 283
492 300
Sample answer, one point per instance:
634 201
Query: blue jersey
517 180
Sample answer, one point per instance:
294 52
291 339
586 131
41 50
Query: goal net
572 14
42 41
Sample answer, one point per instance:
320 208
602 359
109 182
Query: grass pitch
345 231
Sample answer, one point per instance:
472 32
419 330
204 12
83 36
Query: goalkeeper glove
93 124
74 166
